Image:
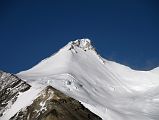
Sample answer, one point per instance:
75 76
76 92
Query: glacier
109 89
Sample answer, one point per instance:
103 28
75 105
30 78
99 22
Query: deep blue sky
127 32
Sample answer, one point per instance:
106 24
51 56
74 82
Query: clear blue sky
123 31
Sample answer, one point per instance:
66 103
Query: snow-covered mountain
21 101
110 90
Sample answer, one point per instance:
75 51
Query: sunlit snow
110 90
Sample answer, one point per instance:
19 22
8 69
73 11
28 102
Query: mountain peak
84 44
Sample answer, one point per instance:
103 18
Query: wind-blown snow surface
110 90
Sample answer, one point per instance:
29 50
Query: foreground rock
51 104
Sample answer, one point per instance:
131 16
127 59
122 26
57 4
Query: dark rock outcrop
51 104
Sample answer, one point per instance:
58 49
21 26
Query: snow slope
110 90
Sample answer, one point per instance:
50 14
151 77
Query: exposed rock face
10 87
51 104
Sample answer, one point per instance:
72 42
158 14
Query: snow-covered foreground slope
110 90
15 94
22 101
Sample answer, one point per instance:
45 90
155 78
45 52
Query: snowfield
110 90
